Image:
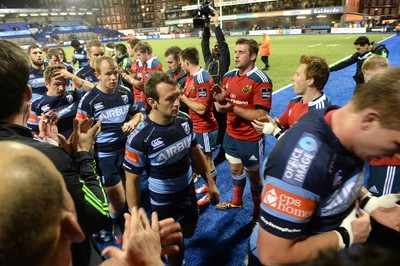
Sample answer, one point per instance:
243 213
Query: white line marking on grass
283 88
352 54
291 84
318 44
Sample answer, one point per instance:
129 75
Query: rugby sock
214 175
239 182
256 195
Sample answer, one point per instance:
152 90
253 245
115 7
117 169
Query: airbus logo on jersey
175 152
115 115
287 203
45 108
98 106
157 143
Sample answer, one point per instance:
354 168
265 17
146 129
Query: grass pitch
285 51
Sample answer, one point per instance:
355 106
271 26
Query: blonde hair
382 93
375 62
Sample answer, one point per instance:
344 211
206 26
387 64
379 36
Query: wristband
364 200
277 133
344 236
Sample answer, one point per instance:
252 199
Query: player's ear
152 103
310 81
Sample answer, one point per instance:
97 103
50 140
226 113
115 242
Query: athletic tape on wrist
341 244
345 236
386 201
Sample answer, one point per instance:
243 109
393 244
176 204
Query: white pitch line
318 44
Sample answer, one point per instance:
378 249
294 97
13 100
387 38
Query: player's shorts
207 141
111 169
184 211
383 179
250 153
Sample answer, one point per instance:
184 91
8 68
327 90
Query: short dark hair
110 45
253 45
173 50
14 77
75 43
362 40
191 54
34 46
120 47
156 77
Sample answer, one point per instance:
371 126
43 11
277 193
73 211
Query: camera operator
217 63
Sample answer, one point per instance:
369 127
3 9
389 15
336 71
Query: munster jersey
297 109
115 110
198 88
36 81
251 91
153 64
384 176
163 151
64 105
137 66
87 73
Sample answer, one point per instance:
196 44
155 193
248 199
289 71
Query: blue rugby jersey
87 73
36 81
310 181
163 151
65 106
81 56
115 110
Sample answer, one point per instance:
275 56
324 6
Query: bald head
33 200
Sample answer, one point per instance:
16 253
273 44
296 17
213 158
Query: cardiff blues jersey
163 151
36 81
65 106
310 181
115 110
